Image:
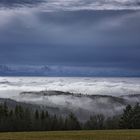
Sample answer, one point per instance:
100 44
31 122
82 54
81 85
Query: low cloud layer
92 5
70 5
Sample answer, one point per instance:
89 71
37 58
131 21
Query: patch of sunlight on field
74 135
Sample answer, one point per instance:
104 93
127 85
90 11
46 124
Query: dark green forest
25 119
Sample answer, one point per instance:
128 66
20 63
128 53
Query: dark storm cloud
106 38
17 3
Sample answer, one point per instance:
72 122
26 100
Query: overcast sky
97 33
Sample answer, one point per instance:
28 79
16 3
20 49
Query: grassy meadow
74 135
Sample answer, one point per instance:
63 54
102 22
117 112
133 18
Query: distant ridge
64 71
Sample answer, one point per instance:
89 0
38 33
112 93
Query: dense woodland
25 119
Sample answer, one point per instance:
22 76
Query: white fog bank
12 86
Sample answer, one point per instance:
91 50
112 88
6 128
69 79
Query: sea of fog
10 87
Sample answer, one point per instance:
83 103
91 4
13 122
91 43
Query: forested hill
24 119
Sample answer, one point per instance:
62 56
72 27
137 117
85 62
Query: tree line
25 119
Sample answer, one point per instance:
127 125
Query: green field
74 135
